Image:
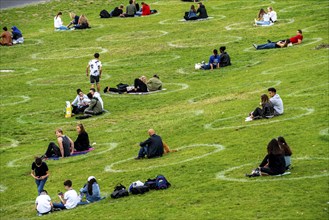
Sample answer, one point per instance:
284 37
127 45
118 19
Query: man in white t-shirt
276 102
95 67
272 14
43 203
69 199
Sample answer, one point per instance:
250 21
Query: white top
43 204
95 66
81 101
72 199
272 15
266 17
277 103
98 96
58 22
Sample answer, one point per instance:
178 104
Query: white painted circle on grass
56 111
69 53
136 35
13 143
183 21
57 79
308 91
22 97
191 43
111 146
223 174
307 111
324 132
217 147
10 71
2 188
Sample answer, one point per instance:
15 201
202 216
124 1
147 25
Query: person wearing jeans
39 173
69 199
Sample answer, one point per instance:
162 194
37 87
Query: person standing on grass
152 147
65 146
69 199
39 173
95 67
276 101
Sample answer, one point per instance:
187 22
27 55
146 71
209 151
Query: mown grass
50 66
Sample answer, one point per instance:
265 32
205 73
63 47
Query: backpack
104 14
139 190
151 183
119 191
161 182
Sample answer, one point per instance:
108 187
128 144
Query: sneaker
255 46
248 119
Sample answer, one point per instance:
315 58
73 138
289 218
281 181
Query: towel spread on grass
138 93
75 153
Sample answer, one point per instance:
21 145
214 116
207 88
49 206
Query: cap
91 177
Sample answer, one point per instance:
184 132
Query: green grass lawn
201 113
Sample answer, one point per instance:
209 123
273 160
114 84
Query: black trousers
53 149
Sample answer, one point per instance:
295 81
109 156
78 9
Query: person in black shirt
202 11
152 147
82 141
117 11
65 146
39 173
224 59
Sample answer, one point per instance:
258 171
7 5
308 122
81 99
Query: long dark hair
82 128
90 186
274 148
284 146
59 13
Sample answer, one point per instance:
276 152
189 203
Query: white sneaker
248 119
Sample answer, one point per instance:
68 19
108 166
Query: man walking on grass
95 67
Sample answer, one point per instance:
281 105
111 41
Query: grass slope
209 110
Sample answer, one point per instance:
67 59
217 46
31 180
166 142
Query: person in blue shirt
91 191
191 15
213 61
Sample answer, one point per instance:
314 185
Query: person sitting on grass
266 111
82 142
6 39
191 14
65 146
98 96
130 10
69 199
117 11
95 106
17 35
83 23
145 10
276 101
154 83
75 19
202 12
263 18
139 85
287 151
224 59
39 173
272 14
152 147
91 191
58 23
213 61
282 43
273 163
80 103
43 203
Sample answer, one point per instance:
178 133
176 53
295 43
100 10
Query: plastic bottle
68 110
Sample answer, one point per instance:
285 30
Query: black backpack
139 190
151 183
119 191
104 14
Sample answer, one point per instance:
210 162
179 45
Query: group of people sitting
90 104
77 22
277 161
281 43
269 107
132 9
195 14
216 60
266 18
70 199
11 38
141 85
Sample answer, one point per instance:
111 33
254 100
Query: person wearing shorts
95 67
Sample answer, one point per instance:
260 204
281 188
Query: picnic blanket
75 153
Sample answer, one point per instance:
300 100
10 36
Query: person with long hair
191 14
82 141
91 191
83 23
273 163
263 18
74 21
58 23
266 111
287 151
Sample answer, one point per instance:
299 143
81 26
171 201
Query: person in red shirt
293 40
146 10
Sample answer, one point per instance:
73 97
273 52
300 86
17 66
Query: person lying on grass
152 147
273 163
295 40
